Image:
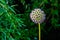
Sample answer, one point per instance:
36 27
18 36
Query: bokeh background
15 22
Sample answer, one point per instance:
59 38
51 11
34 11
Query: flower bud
37 16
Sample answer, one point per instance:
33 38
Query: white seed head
37 16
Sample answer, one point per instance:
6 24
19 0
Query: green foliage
9 23
16 25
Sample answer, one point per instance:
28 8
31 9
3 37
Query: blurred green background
15 22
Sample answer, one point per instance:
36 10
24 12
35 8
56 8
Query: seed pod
37 16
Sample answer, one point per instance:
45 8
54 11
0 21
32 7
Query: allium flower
37 16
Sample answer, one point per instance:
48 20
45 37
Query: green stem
39 31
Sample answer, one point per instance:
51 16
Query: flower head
37 16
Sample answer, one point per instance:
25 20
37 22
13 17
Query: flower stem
39 31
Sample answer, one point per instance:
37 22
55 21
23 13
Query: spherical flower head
37 16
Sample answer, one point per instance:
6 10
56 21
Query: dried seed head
37 16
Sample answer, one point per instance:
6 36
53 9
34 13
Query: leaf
11 9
